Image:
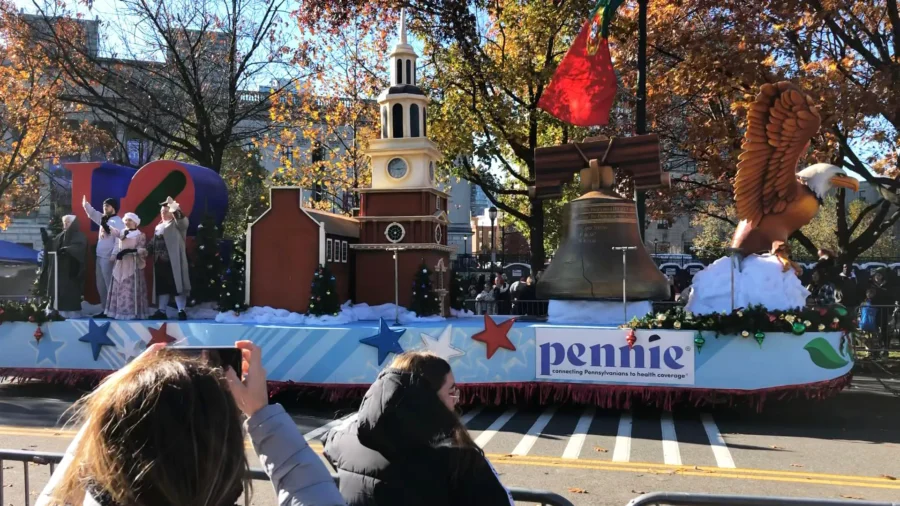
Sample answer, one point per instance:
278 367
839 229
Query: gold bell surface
586 267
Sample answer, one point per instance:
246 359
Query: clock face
397 168
395 232
431 171
438 234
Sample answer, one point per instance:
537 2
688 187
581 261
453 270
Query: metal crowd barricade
544 498
684 499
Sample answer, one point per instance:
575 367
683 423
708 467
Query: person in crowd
528 297
106 244
170 264
164 429
845 289
501 294
127 299
868 315
821 291
65 279
484 301
884 297
408 445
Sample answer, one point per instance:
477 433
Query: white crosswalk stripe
576 441
571 444
485 437
340 422
622 450
534 432
717 442
671 454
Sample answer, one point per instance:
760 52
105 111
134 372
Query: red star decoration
160 335
494 335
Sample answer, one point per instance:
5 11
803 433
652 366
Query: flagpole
640 123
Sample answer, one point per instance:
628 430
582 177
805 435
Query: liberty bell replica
600 226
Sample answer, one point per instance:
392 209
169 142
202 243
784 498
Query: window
328 250
384 123
424 123
397 121
344 251
413 120
408 71
662 225
399 71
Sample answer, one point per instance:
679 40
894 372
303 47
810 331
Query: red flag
582 90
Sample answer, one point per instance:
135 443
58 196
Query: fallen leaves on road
638 492
576 490
796 465
776 447
888 477
858 498
600 449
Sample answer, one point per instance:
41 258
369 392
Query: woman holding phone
166 429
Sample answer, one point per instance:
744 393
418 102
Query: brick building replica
403 213
286 244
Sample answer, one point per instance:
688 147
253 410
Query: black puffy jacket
399 452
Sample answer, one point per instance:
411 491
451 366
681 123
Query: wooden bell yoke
637 155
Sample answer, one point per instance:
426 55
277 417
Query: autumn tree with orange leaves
325 123
35 124
708 60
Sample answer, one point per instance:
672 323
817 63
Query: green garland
747 322
28 311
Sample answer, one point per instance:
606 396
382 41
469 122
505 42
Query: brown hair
162 430
434 370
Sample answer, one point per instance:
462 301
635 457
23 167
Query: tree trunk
536 225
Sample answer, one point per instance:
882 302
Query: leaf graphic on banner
824 355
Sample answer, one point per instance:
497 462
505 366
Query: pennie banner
663 358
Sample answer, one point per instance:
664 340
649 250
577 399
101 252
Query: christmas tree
457 291
231 293
207 262
323 297
424 301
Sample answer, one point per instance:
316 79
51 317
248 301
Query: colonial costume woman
127 298
170 266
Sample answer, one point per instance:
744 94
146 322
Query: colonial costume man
106 245
66 277
127 298
170 265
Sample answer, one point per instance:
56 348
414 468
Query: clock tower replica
403 213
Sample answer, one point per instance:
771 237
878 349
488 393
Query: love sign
199 190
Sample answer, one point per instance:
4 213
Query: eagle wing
781 122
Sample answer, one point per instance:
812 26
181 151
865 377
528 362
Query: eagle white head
822 177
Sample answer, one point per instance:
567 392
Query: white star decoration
441 346
130 350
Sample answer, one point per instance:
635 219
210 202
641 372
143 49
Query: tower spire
403 26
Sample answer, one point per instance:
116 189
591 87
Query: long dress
127 298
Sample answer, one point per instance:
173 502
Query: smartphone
216 356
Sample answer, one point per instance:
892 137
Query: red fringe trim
602 396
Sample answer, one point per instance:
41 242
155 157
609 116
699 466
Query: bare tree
177 73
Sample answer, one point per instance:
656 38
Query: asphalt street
846 447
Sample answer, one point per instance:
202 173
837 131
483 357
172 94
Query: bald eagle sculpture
772 199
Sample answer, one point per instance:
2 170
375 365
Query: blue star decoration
46 349
386 340
97 337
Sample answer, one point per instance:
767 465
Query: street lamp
655 245
492 213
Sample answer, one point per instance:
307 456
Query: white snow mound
348 313
761 281
596 311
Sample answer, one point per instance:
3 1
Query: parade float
741 339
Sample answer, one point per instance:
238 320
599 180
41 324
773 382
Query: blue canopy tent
12 252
